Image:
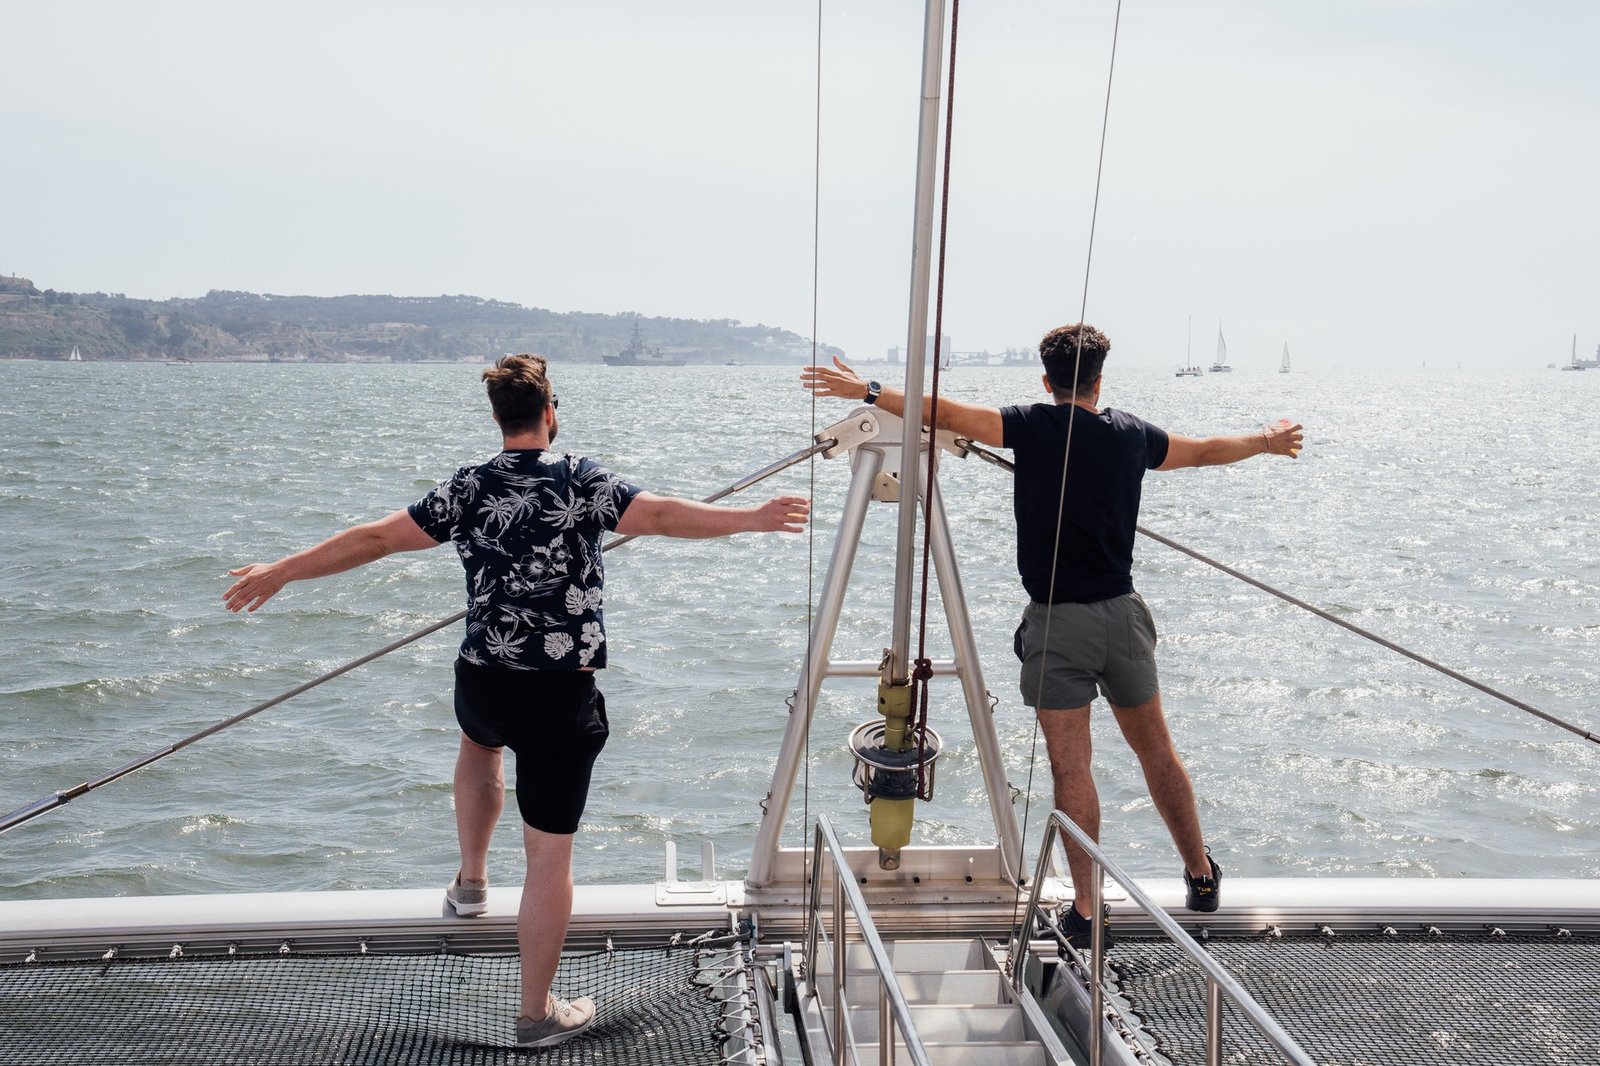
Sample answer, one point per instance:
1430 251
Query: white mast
916 338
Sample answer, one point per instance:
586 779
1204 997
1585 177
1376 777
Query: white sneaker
563 1022
468 899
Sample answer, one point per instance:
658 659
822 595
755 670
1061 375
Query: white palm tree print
527 526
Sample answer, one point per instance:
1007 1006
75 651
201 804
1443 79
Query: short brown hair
1062 356
519 391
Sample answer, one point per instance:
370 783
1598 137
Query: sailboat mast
916 337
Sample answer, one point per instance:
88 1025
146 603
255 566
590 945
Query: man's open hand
836 380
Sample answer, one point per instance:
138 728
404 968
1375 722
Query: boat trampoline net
654 1006
1378 1000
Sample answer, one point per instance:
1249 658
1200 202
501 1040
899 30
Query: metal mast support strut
873 437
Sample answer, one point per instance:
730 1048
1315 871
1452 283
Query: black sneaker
1079 930
1205 893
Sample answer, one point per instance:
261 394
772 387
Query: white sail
1221 365
1283 364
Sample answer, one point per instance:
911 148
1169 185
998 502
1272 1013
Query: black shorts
555 722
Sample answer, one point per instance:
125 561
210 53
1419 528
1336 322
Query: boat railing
894 1013
1220 983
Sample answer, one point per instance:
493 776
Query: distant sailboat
1283 364
76 358
1189 369
1576 364
1221 365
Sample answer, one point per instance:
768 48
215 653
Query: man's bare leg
1068 741
1144 727
480 794
545 913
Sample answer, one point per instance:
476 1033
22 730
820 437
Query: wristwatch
873 391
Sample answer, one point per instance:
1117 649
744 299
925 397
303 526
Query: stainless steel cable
60 798
1077 360
1001 461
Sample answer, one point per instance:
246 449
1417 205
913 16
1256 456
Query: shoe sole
467 910
555 1038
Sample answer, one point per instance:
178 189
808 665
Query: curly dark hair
1060 354
518 391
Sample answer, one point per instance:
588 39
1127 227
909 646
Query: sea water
1453 512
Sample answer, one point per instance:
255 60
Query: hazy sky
1376 182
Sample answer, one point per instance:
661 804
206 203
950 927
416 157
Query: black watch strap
873 391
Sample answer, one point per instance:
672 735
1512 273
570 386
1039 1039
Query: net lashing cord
668 1005
63 796
1001 461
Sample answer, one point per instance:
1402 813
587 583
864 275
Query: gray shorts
1109 645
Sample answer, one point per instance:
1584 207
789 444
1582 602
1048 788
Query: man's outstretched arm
1282 439
669 516
970 420
356 546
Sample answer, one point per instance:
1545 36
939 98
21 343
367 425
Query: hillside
244 326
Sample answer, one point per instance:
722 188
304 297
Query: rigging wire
1001 461
1375 638
57 799
51 802
923 672
804 699
1083 310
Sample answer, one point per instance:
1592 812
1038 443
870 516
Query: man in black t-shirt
1085 630
527 525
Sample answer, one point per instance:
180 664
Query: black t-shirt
1110 453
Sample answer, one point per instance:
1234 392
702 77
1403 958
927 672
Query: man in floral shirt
527 525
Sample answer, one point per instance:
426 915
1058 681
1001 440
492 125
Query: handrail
891 1001
66 795
1219 982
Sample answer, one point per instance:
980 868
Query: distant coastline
243 327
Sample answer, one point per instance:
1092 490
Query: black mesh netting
1380 1000
654 1007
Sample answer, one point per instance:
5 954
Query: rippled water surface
1453 512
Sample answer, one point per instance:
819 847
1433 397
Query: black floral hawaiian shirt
527 525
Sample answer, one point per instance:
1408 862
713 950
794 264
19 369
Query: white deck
636 914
